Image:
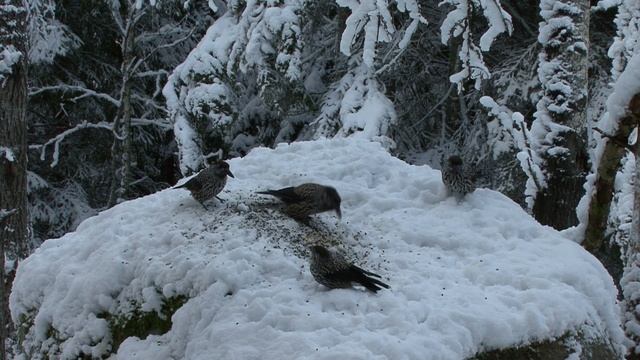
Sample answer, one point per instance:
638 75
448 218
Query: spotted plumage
307 199
209 182
457 179
332 270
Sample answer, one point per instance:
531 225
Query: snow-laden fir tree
266 70
459 23
232 88
99 129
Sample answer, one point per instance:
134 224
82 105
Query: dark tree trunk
631 279
14 231
566 170
600 204
556 204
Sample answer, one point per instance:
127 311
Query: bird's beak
229 173
339 213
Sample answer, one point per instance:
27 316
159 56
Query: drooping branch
56 141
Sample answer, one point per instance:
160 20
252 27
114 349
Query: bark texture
14 232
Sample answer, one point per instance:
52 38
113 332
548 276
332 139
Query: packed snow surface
465 276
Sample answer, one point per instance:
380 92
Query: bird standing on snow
209 182
456 178
307 199
334 271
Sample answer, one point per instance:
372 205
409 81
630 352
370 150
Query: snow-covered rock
466 277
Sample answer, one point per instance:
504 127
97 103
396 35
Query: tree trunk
564 115
600 203
631 278
122 144
14 233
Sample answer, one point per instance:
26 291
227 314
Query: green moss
25 322
136 323
140 323
553 350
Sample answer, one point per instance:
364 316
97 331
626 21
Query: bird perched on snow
307 199
332 270
457 179
209 182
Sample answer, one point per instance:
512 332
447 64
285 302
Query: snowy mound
234 282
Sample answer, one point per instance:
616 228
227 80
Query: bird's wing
345 274
194 184
287 195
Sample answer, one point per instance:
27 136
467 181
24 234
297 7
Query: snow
7 153
499 22
365 110
48 37
606 4
626 86
465 276
5 213
374 19
509 130
357 107
458 23
204 92
627 35
9 56
626 65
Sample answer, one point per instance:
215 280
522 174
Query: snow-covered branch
74 88
162 123
509 130
357 106
7 154
458 23
374 18
60 137
12 37
9 56
6 213
625 43
56 141
48 37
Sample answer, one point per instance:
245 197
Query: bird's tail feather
367 272
372 284
380 283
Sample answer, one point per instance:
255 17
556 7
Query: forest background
102 101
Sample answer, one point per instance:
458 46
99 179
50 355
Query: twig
623 143
86 92
60 137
